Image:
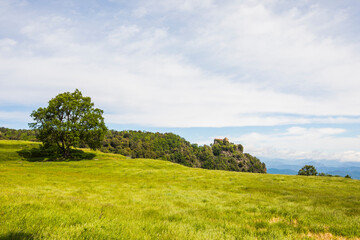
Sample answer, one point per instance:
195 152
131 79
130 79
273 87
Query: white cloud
293 131
7 44
253 60
282 51
195 63
140 12
303 143
179 5
15 116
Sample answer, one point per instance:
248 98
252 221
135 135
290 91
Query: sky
281 77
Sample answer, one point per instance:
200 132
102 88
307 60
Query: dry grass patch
275 220
325 236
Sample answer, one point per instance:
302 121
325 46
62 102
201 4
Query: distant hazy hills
291 167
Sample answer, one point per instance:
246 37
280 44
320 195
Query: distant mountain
291 167
281 171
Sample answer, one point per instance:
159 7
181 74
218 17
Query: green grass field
111 197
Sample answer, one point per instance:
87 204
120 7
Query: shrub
308 170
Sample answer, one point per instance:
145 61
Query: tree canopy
221 155
308 170
13 134
68 121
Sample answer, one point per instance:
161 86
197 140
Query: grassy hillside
112 197
222 155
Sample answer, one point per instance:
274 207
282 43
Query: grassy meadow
112 197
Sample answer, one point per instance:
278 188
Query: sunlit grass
111 197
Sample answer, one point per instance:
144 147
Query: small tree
308 170
216 148
240 148
68 121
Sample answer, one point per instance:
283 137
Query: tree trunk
67 153
65 149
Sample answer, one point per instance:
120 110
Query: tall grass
111 197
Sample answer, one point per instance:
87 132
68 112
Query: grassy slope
111 197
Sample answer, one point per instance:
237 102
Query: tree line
13 134
220 155
71 120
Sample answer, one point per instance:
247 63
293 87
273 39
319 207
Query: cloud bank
199 63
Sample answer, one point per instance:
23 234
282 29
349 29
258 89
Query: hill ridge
112 197
220 155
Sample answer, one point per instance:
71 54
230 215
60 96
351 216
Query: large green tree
69 120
